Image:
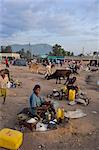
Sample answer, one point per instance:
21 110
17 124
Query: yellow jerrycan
62 113
72 95
59 113
10 139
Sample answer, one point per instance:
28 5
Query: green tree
95 53
81 55
26 55
2 49
6 49
22 53
72 54
68 53
57 50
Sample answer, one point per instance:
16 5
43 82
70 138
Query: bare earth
79 134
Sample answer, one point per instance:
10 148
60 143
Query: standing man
7 65
48 69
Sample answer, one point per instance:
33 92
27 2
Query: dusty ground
79 134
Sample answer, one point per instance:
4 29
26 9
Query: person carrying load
3 86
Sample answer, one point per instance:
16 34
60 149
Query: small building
10 56
56 58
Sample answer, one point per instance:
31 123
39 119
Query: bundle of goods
72 94
14 84
58 94
46 119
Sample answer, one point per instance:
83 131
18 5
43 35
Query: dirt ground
78 134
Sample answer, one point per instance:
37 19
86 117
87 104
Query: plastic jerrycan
72 94
62 113
59 113
10 139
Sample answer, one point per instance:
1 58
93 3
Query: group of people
74 66
35 99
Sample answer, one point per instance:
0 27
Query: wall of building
11 55
77 58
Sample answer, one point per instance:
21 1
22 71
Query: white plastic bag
41 127
9 84
32 120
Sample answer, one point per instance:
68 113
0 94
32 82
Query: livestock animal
37 68
58 74
34 68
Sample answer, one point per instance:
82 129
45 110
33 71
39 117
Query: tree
26 55
95 53
72 54
2 49
81 55
68 53
57 50
7 49
22 53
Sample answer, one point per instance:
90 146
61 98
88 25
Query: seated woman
35 100
38 106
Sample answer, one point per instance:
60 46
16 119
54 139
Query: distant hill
35 49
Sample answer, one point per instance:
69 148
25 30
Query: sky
74 24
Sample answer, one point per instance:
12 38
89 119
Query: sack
10 139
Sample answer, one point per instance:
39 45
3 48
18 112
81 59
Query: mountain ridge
36 49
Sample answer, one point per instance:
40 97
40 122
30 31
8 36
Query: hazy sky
72 23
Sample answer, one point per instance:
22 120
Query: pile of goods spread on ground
47 118
72 96
14 84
